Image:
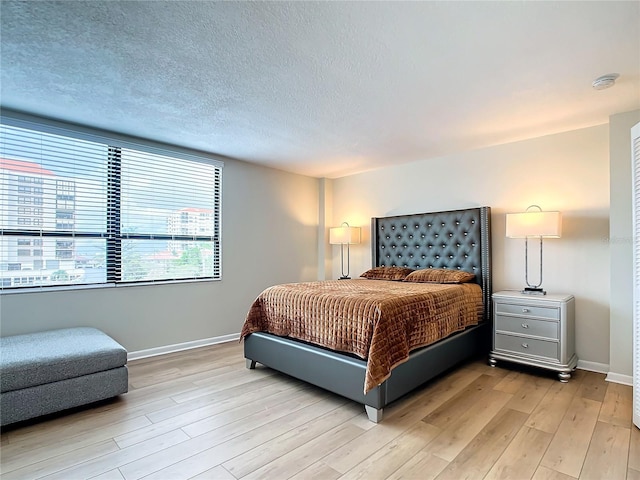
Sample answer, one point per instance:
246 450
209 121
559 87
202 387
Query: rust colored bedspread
379 321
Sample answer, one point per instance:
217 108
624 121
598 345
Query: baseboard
619 378
604 368
178 347
593 366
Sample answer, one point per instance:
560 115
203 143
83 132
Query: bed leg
374 414
251 364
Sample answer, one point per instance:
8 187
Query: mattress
376 320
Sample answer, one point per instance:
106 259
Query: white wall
270 227
621 245
325 216
568 172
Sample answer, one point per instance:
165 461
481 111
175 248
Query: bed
457 240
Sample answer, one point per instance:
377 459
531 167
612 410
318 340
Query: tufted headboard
457 239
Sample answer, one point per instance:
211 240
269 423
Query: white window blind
98 211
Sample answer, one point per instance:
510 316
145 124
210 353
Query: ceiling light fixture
605 81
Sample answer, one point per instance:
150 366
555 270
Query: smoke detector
605 81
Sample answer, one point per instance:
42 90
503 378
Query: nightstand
535 330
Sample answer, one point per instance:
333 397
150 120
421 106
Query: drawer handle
525 310
525 325
525 345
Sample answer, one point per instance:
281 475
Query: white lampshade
534 224
344 235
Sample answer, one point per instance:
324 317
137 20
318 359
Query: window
110 211
52 264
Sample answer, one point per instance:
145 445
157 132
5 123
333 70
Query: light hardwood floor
201 414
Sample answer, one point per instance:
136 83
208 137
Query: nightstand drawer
528 311
527 346
527 326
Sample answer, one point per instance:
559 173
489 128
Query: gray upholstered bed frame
458 239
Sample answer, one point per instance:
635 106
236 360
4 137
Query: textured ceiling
322 88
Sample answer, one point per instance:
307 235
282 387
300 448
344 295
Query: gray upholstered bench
47 372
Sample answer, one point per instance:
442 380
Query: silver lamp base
533 291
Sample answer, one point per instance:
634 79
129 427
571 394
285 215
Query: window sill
65 288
